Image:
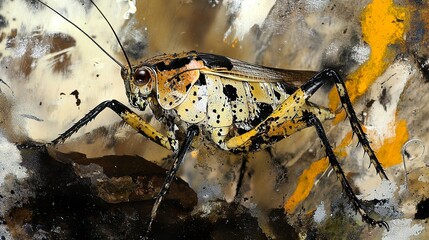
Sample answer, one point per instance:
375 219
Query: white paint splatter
360 53
316 5
385 190
246 16
11 173
10 159
131 8
382 116
402 229
320 213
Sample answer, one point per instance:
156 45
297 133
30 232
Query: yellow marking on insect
260 93
383 24
307 179
135 122
286 110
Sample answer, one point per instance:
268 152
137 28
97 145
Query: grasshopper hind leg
316 82
314 121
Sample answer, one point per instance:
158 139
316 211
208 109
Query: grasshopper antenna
114 33
87 35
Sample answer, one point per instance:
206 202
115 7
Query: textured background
52 75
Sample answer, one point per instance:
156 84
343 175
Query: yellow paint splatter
383 24
308 177
305 184
389 154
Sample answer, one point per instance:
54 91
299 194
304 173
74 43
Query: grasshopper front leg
129 117
192 132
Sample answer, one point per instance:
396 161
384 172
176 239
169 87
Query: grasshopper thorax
139 84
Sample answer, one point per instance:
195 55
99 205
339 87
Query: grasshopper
239 107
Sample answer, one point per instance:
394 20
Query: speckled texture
56 78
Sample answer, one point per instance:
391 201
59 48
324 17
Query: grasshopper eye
142 77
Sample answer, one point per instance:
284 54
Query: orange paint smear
389 154
308 177
383 24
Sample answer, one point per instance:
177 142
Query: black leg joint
317 81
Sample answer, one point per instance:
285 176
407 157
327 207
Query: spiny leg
127 115
316 82
314 121
191 133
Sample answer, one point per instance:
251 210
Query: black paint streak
3 22
423 63
369 103
422 209
384 98
76 95
32 117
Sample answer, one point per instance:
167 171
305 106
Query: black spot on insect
213 60
218 116
189 86
219 134
264 111
217 121
214 111
201 80
230 92
173 64
170 103
195 93
278 95
241 131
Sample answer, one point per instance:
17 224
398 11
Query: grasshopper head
139 84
